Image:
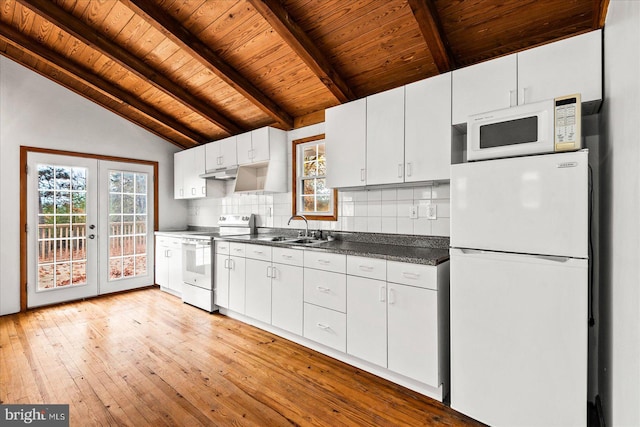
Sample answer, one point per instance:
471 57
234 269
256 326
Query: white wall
620 217
37 112
377 211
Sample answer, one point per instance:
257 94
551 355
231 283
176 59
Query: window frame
330 216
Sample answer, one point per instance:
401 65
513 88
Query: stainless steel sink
305 241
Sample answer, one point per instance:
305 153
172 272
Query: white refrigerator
519 290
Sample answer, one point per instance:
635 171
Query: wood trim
278 17
294 183
426 15
24 152
128 60
97 83
309 119
600 8
182 37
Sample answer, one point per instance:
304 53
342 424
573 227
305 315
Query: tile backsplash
385 210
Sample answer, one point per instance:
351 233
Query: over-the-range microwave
542 127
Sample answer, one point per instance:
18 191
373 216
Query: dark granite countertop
420 250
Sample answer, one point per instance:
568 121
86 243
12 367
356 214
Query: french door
89 227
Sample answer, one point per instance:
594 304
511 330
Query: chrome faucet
306 233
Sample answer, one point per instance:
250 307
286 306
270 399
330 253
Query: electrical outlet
413 212
432 211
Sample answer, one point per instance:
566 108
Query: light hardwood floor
144 358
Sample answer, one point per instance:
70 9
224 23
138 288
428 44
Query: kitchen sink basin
306 241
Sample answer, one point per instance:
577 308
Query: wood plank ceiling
193 71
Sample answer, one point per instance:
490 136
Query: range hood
221 174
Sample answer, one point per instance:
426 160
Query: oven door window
511 132
197 259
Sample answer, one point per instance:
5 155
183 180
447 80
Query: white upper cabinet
569 66
188 165
346 142
385 137
572 65
487 86
253 147
221 154
427 139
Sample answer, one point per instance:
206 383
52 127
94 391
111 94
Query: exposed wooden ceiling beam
89 36
599 13
304 47
186 40
426 15
59 62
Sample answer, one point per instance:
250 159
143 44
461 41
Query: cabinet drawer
325 261
423 276
325 326
325 289
237 249
288 256
260 252
371 268
223 247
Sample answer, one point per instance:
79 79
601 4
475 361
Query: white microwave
537 128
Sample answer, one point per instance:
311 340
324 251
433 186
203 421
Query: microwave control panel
567 122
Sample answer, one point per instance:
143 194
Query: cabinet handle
413 276
167 253
193 191
232 264
274 272
400 170
204 190
323 289
226 263
512 98
269 274
323 326
524 95
238 250
286 256
324 261
258 252
392 296
251 154
365 267
362 175
220 160
382 293
182 192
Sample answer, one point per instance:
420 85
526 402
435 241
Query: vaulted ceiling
194 71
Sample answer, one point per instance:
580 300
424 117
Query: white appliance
198 259
519 290
537 128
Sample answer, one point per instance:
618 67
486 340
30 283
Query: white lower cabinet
367 319
258 289
221 281
413 332
237 290
169 264
287 297
325 326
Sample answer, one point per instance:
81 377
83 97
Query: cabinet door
174 265
162 264
212 156
237 284
427 141
484 87
221 281
413 332
258 290
286 301
243 142
345 144
260 139
385 137
179 165
367 319
228 152
572 65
